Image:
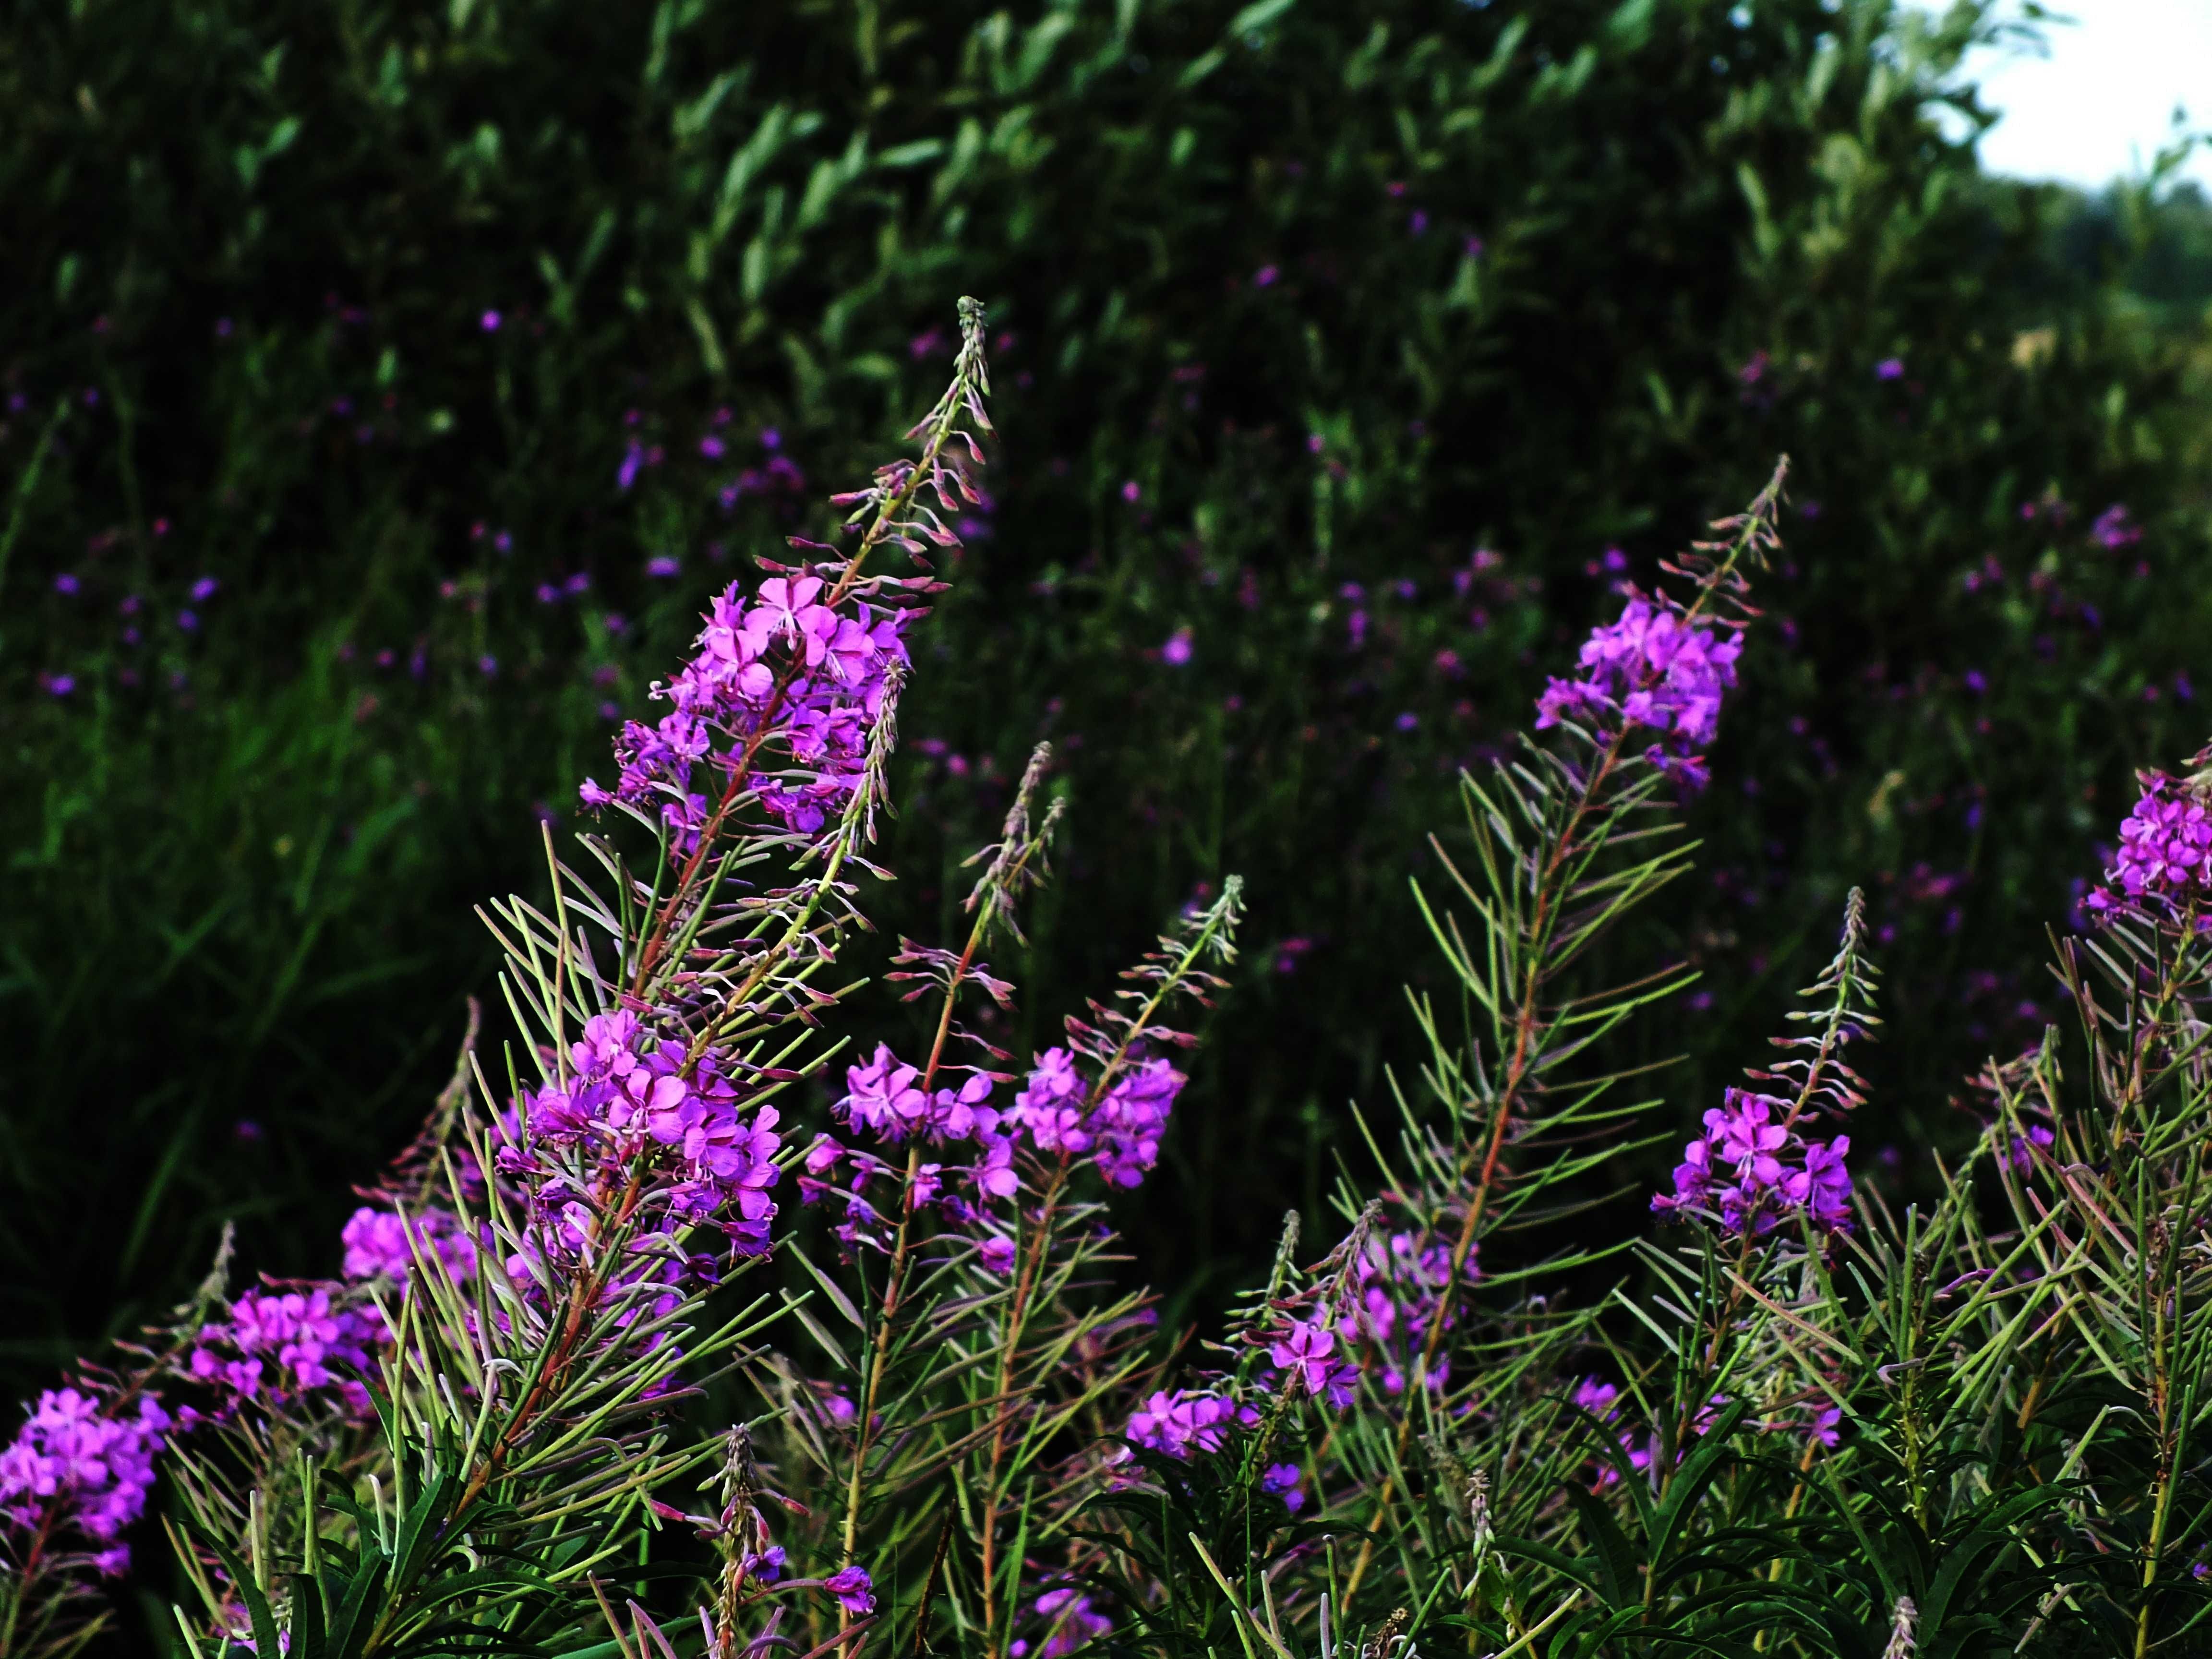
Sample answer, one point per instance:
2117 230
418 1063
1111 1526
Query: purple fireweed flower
2165 855
1182 1421
1050 1105
203 589
1308 1351
796 681
1285 1481
1400 1281
854 1591
882 1097
1755 1171
1597 1397
627 1095
279 1346
1122 1132
1177 651
1128 1121
376 1244
65 583
1889 368
84 1462
1072 1622
1651 669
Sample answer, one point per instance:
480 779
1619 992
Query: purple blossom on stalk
1050 1106
1071 1619
1126 1126
1122 1132
1309 1351
790 685
82 1463
281 1347
854 1591
628 1095
376 1244
1755 1171
1399 1280
2165 855
1182 1421
1652 669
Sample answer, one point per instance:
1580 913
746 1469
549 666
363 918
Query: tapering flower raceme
1653 669
80 1465
788 685
2165 853
1754 1170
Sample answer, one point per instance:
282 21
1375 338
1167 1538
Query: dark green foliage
234 911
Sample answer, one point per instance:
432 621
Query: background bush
1345 356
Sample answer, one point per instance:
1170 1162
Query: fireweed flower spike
519 1321
2164 864
1513 1111
1753 1168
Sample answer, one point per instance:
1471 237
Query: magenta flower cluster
1070 1621
280 1344
1400 1278
1753 1170
883 1098
1181 1421
1653 669
2165 850
633 1105
377 1244
787 689
80 1465
1121 1134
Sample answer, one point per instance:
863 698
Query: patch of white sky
2098 101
